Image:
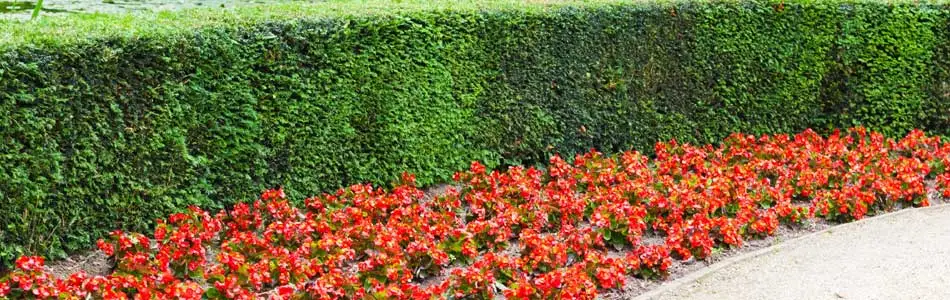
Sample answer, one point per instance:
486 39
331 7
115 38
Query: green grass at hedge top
81 27
110 121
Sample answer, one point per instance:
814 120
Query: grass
78 27
36 9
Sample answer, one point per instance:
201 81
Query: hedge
112 121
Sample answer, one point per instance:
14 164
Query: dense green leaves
114 130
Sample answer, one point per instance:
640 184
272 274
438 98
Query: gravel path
902 255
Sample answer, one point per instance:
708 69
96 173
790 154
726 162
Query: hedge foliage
111 121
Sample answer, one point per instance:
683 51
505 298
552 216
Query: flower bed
569 231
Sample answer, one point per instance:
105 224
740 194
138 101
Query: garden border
692 277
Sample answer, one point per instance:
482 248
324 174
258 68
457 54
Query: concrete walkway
902 255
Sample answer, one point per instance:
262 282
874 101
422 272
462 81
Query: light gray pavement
902 255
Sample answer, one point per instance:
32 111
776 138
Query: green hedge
112 121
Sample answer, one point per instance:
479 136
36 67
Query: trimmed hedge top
83 27
110 121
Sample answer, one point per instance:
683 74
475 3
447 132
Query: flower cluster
570 230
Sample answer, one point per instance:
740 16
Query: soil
94 263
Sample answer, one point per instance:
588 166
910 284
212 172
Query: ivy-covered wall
110 122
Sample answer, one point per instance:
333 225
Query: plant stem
36 9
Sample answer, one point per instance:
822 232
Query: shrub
112 121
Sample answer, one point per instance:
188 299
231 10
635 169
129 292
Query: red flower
541 233
4 288
30 263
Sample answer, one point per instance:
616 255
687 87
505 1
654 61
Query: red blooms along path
903 255
571 230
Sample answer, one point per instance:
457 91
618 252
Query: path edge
693 276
